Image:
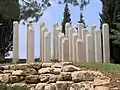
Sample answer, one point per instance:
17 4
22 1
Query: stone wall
52 76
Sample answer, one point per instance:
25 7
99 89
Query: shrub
5 87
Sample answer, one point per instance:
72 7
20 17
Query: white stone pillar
71 31
106 45
92 31
54 41
84 33
60 38
58 30
74 40
65 50
30 43
15 42
98 48
80 26
47 47
89 48
67 27
42 25
42 37
79 50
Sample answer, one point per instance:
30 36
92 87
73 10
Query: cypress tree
66 18
111 15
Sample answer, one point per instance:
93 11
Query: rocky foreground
55 76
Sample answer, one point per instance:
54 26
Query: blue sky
55 14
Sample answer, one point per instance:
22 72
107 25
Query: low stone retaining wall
52 76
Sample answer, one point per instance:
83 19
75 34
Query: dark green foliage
82 20
80 3
111 15
33 9
66 18
5 87
12 10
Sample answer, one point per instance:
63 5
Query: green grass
104 66
5 87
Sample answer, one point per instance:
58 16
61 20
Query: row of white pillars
71 46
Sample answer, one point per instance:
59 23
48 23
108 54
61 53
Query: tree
12 10
66 18
82 20
111 15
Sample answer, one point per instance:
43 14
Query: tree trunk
2 58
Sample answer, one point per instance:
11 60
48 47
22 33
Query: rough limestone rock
29 71
44 77
19 84
8 71
50 86
66 76
45 70
4 78
103 88
63 85
19 66
79 76
82 86
17 72
70 68
6 67
40 86
66 63
14 79
44 65
101 81
32 79
57 65
36 66
56 71
53 78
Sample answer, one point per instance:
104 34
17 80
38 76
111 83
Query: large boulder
40 86
32 79
14 79
5 78
63 85
87 85
45 70
65 76
17 72
29 71
44 77
79 76
70 68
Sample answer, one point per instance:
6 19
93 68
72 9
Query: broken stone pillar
47 47
65 50
67 27
42 25
15 42
84 33
54 41
30 43
89 48
71 31
79 51
106 45
80 27
42 42
58 30
60 38
74 39
98 48
92 31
